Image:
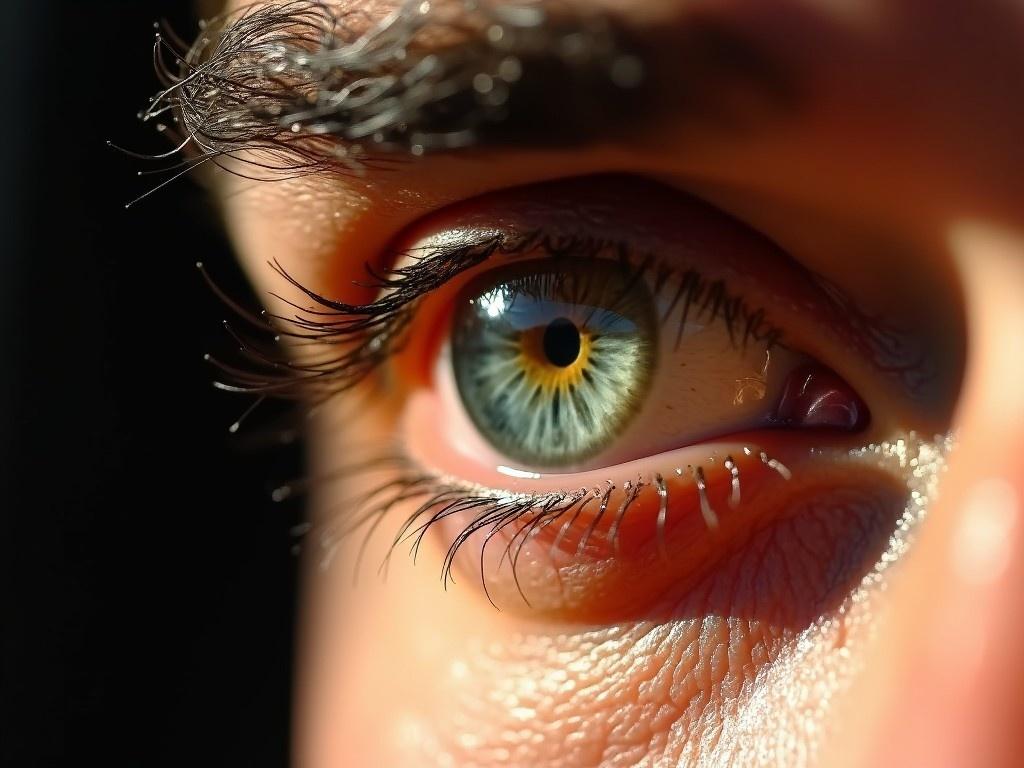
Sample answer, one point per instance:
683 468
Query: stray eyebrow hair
314 86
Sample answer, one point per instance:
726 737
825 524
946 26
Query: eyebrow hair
314 86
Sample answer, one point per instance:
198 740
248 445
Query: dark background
147 580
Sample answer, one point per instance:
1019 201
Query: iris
552 358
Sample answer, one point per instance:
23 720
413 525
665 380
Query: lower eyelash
438 498
920 462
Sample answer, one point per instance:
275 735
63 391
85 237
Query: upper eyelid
341 344
354 339
684 289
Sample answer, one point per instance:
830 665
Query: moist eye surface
552 360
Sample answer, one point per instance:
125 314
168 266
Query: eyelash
371 333
438 497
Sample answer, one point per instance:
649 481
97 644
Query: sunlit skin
900 178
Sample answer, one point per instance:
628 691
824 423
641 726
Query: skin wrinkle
592 666
692 699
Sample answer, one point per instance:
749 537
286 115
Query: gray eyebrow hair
312 87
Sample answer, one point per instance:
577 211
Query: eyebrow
315 87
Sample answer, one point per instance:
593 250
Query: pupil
562 342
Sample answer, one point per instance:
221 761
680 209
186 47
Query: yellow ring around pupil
534 362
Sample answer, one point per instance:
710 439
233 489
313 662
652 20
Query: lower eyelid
700 510
639 577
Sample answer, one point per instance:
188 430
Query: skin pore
893 173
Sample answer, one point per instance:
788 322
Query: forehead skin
894 143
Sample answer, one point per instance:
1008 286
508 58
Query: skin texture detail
719 672
654 689
836 628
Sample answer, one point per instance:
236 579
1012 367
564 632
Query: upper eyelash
368 334
371 331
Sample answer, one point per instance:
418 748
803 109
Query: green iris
552 358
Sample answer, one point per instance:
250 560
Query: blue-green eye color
552 358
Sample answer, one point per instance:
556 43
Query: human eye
590 413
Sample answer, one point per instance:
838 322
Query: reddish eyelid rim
762 484
433 319
425 416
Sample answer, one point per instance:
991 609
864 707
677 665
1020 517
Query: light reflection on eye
493 303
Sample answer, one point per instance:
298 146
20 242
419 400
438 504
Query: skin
900 178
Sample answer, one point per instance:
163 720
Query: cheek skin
616 695
404 673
